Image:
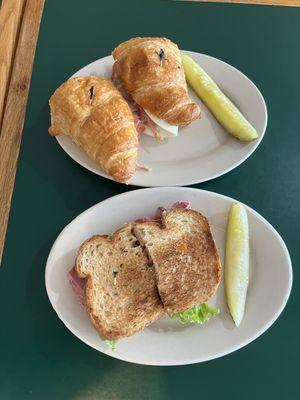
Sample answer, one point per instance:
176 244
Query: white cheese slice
165 130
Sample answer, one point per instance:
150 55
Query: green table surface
40 358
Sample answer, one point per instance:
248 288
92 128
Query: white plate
201 151
168 342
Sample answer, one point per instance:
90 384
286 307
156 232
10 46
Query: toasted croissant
94 114
151 71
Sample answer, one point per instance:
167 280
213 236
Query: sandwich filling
144 121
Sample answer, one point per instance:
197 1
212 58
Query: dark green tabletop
40 358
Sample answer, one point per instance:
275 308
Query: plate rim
193 181
220 354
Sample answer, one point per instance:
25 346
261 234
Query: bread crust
151 71
96 117
185 257
123 306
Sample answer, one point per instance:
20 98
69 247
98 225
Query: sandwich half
185 258
121 296
149 73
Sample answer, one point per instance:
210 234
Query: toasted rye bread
185 257
128 306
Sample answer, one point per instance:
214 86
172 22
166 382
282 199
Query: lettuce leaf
111 344
198 314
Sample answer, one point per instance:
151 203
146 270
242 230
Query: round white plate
168 342
201 151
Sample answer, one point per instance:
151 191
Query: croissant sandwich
97 118
149 73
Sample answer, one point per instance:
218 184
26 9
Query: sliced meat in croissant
94 114
151 71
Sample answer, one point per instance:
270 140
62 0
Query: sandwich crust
151 71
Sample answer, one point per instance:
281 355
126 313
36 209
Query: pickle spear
221 107
237 261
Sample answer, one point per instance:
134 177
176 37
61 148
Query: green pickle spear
237 261
221 107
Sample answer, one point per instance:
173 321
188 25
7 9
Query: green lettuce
198 314
111 344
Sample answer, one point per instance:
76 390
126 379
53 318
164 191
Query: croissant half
151 71
97 118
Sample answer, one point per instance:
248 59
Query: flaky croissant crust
151 71
94 114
